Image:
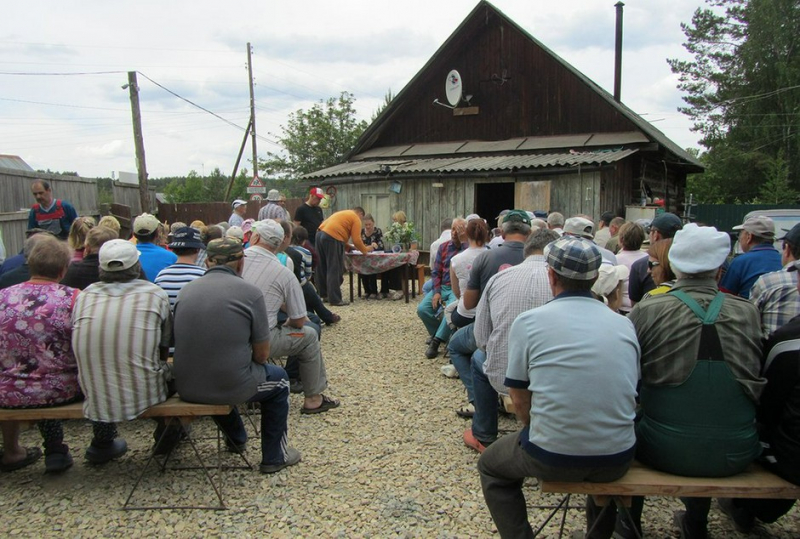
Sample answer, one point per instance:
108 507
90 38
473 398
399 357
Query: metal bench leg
562 505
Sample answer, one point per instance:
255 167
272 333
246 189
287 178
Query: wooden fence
212 212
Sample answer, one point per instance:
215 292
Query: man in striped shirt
121 333
186 244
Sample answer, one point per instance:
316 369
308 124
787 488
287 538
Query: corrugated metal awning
434 165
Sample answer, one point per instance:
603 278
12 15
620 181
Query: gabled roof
14 162
365 143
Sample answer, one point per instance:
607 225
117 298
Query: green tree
777 190
314 139
742 91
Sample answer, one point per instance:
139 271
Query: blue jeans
461 347
427 287
436 327
484 422
274 398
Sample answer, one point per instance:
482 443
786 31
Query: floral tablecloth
372 263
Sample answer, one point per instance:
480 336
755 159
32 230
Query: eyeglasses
652 264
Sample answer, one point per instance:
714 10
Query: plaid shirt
508 294
440 272
775 295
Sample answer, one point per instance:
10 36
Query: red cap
317 192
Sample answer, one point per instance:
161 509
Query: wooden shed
528 131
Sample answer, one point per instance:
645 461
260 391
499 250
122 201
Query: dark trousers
331 267
273 395
314 303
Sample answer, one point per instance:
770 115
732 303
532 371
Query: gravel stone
390 462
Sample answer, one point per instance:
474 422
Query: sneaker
57 462
233 447
342 303
101 455
396 295
743 520
449 371
295 386
292 458
472 442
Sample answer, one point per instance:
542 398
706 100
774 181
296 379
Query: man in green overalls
700 384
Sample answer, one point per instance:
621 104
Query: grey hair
555 219
31 242
516 227
121 276
710 274
537 241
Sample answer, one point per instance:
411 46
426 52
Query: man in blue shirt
760 256
153 257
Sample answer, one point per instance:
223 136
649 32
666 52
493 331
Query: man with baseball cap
121 332
775 293
582 227
222 347
573 382
309 214
186 244
701 359
664 226
153 258
281 290
756 237
273 210
239 208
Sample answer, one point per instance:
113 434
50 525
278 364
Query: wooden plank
172 407
755 482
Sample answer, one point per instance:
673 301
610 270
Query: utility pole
141 166
252 109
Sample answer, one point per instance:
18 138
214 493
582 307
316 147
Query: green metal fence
727 216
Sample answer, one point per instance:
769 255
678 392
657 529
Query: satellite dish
453 88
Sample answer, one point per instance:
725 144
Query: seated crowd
636 340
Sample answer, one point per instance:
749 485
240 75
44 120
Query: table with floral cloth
373 263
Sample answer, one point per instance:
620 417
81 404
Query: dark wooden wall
539 96
213 212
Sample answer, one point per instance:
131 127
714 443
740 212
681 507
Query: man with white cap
309 215
153 258
239 207
581 227
701 358
573 382
273 210
756 236
121 332
281 290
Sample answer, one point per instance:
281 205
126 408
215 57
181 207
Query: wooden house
524 130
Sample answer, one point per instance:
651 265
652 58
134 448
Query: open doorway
492 198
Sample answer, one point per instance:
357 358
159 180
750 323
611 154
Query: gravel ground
389 462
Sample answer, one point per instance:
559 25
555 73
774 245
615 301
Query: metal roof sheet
14 162
472 163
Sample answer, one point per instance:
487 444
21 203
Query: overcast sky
304 51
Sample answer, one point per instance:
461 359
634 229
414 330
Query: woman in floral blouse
37 367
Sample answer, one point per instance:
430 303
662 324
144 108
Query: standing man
53 215
309 214
756 238
121 332
282 292
221 352
337 230
775 294
603 233
273 210
239 207
573 383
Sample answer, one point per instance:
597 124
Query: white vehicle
784 221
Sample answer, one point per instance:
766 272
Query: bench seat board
755 482
172 407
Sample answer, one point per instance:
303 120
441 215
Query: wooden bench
173 411
755 482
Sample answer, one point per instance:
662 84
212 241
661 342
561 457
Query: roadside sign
255 197
251 190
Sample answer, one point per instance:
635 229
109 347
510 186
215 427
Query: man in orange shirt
332 236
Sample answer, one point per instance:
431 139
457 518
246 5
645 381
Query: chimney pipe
618 54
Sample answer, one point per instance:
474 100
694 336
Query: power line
62 74
205 109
